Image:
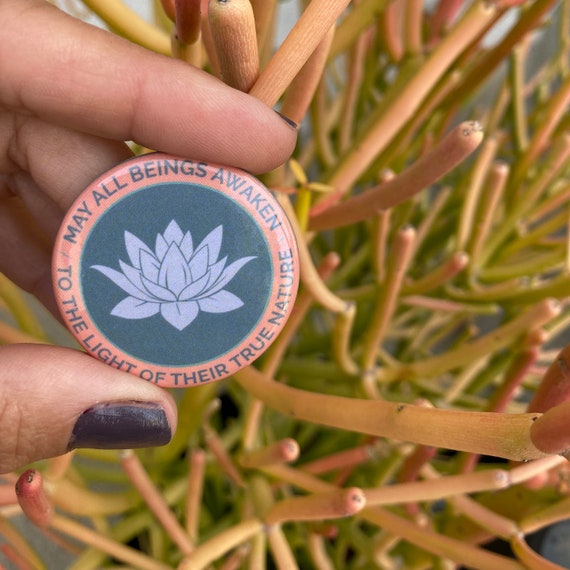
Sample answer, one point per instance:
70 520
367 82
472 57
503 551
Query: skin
70 94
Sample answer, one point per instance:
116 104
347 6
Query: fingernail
121 425
288 120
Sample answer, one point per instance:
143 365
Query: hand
70 94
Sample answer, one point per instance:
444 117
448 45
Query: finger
60 161
25 253
70 401
88 79
48 167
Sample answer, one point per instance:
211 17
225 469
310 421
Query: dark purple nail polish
288 120
121 425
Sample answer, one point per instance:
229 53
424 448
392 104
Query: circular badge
176 271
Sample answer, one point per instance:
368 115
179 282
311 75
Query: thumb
55 399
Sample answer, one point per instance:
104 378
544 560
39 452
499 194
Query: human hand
70 95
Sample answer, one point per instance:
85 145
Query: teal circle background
198 209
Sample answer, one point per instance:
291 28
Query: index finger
84 78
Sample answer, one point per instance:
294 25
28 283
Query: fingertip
57 399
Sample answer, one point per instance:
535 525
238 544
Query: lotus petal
173 233
159 294
121 281
194 289
174 272
131 308
160 247
220 302
198 265
180 314
214 242
215 271
229 273
187 246
133 275
134 247
150 266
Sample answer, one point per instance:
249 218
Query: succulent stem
33 498
282 451
113 548
501 337
429 168
155 500
119 17
318 506
215 547
232 26
400 258
300 92
196 470
308 32
402 108
500 435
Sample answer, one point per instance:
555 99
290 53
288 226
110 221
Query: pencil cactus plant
432 226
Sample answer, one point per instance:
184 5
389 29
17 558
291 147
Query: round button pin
176 271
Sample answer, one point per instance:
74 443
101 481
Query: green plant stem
551 204
309 30
400 258
360 17
350 99
495 186
486 518
424 538
194 490
85 502
318 550
320 119
538 233
529 20
281 549
435 489
526 199
223 542
302 89
20 544
155 501
264 12
317 506
472 197
500 435
517 71
438 276
529 557
391 32
126 22
536 264
403 107
20 310
276 351
111 547
282 451
451 150
549 121
342 333
309 275
12 335
381 230
499 339
546 516
413 21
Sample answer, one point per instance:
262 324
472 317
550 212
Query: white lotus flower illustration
176 279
